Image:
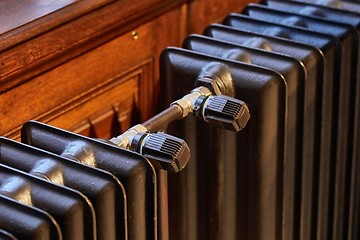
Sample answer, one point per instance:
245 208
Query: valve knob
171 153
223 111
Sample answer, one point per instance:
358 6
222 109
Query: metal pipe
161 121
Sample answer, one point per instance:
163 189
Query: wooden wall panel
50 41
204 12
170 31
48 65
105 113
51 94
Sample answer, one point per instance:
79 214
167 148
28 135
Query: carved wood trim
21 62
125 90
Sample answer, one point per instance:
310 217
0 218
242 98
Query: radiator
285 73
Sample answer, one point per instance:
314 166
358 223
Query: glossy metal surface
71 210
215 170
103 189
135 172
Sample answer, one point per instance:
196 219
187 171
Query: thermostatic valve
170 152
223 111
219 110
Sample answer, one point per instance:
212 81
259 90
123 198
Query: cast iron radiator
292 172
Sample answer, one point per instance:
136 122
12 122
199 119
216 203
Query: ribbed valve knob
171 153
223 111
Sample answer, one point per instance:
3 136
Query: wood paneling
66 40
55 92
204 12
70 51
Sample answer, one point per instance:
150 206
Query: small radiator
291 173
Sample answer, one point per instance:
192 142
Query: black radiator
292 172
247 186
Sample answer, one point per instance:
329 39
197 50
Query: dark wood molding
21 61
50 94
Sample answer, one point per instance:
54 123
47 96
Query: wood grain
50 94
21 62
204 12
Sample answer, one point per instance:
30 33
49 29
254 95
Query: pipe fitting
124 140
